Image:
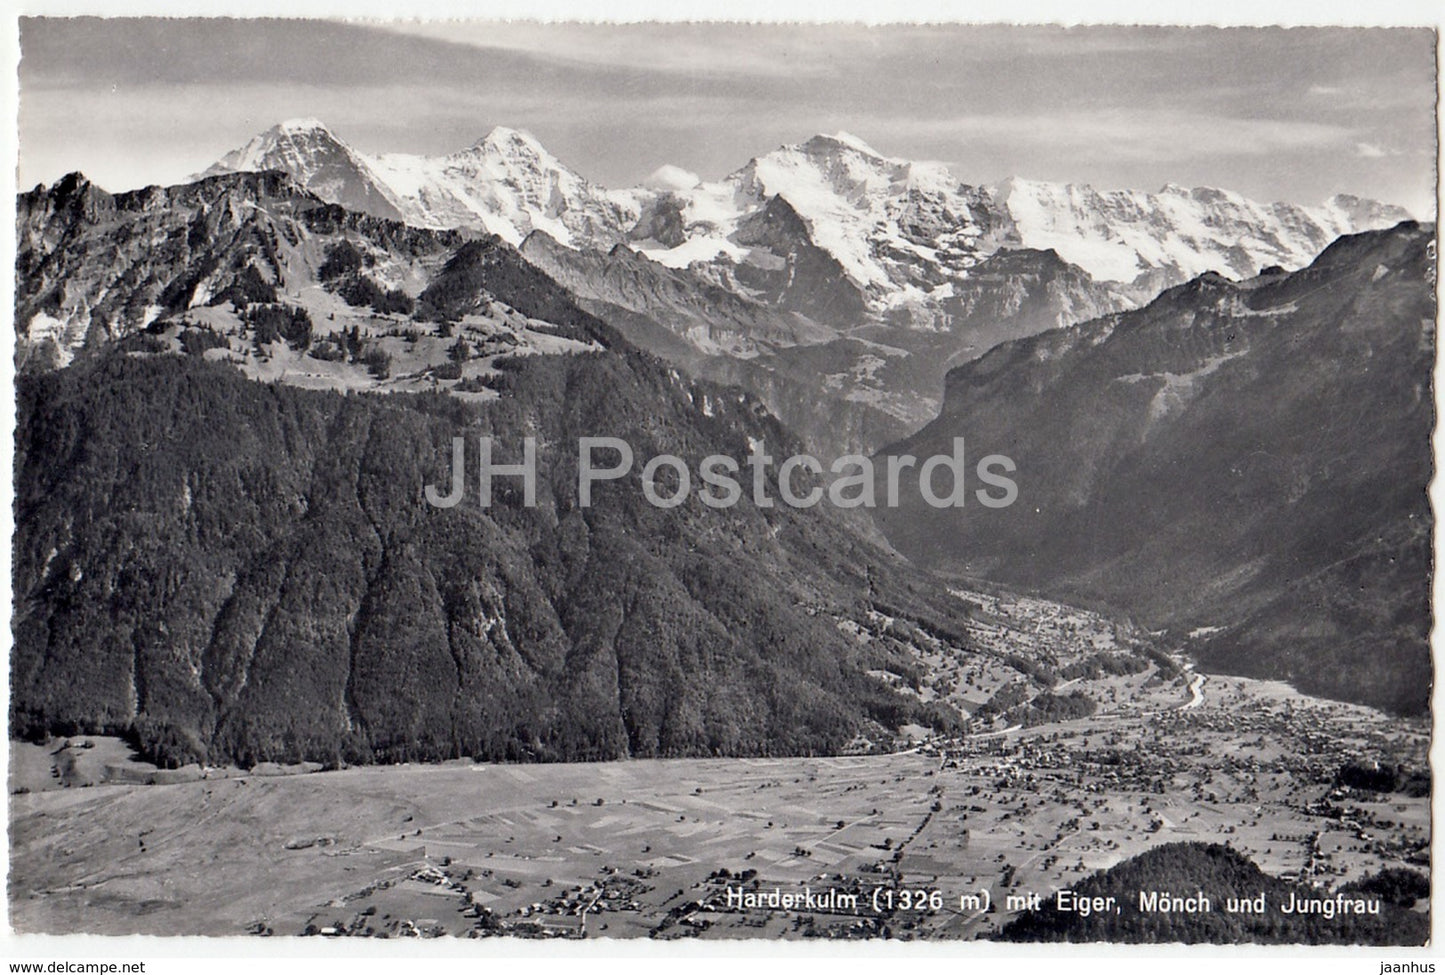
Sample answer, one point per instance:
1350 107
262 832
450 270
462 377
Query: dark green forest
232 571
1220 872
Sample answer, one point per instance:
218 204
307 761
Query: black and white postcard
719 482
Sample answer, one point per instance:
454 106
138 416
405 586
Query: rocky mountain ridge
1243 463
899 234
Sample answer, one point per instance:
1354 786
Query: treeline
1047 707
1104 665
477 272
911 622
1003 701
1400 886
1220 873
1032 669
1013 703
349 345
483 269
1384 778
246 288
278 322
1168 667
198 341
342 272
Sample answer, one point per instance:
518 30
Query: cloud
789 52
158 99
1153 136
1372 150
669 177
685 49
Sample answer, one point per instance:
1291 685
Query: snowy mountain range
836 284
903 234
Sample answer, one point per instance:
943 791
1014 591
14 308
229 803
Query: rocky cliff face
92 264
307 151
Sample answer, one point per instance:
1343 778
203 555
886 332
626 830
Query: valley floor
653 848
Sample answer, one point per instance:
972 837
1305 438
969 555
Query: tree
342 258
378 362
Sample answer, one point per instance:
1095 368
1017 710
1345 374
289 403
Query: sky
1276 114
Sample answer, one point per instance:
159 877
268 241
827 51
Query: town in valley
916 836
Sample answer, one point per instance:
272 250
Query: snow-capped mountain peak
307 150
515 141
293 142
896 228
517 158
506 183
510 184
847 139
1178 233
298 126
1351 214
900 231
